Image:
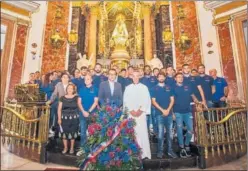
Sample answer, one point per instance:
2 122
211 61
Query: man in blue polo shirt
207 84
194 82
169 80
98 77
163 100
183 95
129 78
221 90
89 96
78 79
150 81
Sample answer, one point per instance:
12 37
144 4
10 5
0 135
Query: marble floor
12 162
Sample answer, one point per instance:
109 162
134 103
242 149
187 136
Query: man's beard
161 81
97 71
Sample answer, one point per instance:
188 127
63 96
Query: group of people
152 97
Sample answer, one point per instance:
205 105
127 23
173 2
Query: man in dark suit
119 78
110 92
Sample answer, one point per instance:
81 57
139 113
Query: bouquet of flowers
111 143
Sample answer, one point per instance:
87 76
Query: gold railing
222 130
25 126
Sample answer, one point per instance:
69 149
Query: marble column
18 58
167 57
92 34
76 12
147 33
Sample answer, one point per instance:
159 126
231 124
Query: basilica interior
64 35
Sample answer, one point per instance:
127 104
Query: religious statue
83 61
119 38
155 62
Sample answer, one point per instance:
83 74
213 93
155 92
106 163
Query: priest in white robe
138 103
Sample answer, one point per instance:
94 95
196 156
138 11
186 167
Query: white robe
137 96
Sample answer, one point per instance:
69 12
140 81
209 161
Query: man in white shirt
137 102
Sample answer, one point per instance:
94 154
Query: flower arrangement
111 143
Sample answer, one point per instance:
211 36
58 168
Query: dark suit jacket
105 96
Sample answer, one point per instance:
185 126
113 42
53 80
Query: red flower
108 108
112 114
111 154
118 149
118 163
109 132
91 130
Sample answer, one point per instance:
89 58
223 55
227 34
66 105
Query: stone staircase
55 147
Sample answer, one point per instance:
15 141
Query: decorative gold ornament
56 40
58 12
180 14
73 37
184 41
167 35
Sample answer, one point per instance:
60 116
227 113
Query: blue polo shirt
128 81
162 94
193 81
149 81
79 82
88 94
182 94
220 84
97 79
206 83
48 89
170 81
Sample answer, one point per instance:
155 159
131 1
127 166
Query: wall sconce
180 14
167 35
56 40
73 38
58 12
184 41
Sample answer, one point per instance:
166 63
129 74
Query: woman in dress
68 117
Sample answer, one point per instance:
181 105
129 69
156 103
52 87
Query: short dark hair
31 73
83 67
161 73
201 65
169 66
112 70
130 67
155 69
147 66
37 72
194 70
98 64
178 74
76 69
185 65
123 70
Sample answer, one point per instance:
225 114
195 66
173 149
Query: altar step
55 147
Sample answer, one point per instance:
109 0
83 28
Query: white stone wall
36 35
208 33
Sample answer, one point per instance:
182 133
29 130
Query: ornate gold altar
120 32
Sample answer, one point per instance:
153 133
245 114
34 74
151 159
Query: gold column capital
77 4
146 9
94 10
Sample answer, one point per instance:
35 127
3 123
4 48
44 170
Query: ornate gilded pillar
146 9
73 50
166 48
92 34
